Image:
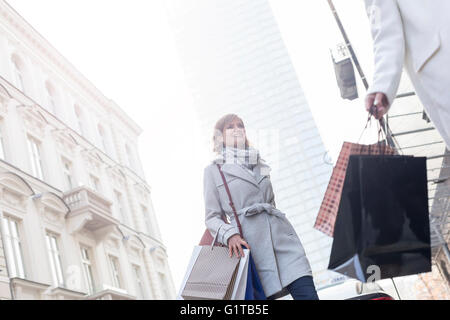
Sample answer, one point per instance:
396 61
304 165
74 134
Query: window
13 248
115 271
2 147
55 259
102 134
139 282
163 282
87 270
18 72
94 183
146 217
120 207
79 116
130 156
36 163
51 96
67 170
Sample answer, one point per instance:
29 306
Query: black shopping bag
382 226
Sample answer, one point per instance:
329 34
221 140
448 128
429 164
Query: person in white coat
414 34
279 257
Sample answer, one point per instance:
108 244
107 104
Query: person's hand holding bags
377 104
234 245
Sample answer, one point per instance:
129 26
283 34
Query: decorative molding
52 208
65 141
51 201
111 244
142 194
135 247
14 191
93 161
53 217
117 177
33 119
13 199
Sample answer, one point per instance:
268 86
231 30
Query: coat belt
258 208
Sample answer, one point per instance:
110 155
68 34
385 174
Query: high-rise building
235 61
76 215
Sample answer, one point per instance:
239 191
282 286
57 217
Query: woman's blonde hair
218 141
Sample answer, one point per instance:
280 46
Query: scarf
247 158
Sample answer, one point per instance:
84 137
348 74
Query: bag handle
231 201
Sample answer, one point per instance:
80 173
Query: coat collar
261 170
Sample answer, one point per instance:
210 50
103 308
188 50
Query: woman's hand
234 245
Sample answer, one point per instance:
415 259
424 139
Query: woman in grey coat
276 249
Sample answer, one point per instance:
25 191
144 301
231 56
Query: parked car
353 290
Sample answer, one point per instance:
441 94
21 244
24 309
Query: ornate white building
77 220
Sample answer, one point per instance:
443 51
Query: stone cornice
38 44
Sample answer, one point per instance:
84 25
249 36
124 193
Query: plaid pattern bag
326 217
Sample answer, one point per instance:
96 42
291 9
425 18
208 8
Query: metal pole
348 44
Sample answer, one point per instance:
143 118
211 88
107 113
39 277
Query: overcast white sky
127 50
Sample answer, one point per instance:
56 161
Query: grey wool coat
275 247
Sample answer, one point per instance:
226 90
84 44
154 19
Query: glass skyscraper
235 61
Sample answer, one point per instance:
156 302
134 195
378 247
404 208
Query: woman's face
234 134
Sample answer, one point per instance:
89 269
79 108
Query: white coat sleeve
388 45
214 211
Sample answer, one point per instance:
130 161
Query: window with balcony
13 248
34 148
55 259
115 272
87 270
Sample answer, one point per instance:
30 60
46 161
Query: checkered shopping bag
326 217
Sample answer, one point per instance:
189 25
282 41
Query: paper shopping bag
382 226
326 217
213 274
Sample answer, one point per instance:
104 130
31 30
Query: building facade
76 214
235 61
